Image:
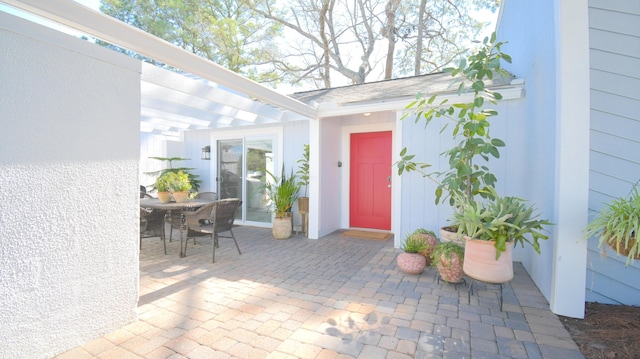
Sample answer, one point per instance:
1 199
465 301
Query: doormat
379 236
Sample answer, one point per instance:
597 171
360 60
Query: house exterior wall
548 48
68 190
511 169
533 59
615 142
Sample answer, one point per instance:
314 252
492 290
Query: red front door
370 194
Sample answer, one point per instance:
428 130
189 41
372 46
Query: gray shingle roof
385 90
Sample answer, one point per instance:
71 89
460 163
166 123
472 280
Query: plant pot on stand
450 234
480 262
448 258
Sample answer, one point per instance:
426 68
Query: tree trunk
390 34
421 26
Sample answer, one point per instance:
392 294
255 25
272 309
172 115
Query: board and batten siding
614 36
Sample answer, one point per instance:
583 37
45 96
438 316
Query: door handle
389 180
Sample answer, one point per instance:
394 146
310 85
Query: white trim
346 163
101 26
332 109
568 280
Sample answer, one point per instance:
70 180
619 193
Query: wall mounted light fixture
206 153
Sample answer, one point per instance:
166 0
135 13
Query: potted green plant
448 259
193 178
283 193
411 261
430 241
491 229
163 189
179 185
469 123
303 175
617 225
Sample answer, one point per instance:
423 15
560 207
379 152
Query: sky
485 16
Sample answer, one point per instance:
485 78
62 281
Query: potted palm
491 229
617 225
283 193
448 258
411 261
303 175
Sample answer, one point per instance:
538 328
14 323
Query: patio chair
221 215
152 225
176 220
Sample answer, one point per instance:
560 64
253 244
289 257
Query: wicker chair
152 225
176 217
209 196
221 215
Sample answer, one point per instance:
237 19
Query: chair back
208 196
224 213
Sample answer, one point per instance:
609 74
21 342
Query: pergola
203 96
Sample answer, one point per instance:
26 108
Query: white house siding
69 113
615 137
533 60
512 169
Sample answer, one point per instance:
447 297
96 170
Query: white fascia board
101 26
331 109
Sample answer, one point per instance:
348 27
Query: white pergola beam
106 28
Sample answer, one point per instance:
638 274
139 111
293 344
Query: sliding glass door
241 173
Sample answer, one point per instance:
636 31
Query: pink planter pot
450 269
411 263
449 234
431 242
480 262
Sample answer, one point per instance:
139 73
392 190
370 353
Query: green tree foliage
312 43
223 31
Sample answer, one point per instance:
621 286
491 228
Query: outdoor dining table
193 204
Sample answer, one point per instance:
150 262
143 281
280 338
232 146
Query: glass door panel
230 169
259 158
242 166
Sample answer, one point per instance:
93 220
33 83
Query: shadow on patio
337 297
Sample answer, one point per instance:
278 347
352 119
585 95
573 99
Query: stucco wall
69 146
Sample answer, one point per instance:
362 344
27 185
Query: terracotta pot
411 263
164 197
451 269
480 261
181 196
450 234
431 243
282 228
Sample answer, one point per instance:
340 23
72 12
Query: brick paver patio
337 297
